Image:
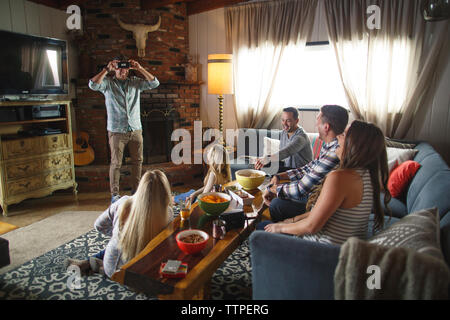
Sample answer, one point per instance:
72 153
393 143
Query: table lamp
220 80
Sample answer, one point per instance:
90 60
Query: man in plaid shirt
289 200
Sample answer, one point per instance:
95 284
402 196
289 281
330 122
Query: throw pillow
271 146
397 156
316 144
401 176
400 145
418 231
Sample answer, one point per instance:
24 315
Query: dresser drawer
58 177
13 149
55 142
24 185
58 161
23 169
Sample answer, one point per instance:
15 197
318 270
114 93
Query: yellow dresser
35 166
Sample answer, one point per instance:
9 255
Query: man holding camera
122 100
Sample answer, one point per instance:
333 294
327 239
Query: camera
123 65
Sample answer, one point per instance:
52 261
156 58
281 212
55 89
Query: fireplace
157 127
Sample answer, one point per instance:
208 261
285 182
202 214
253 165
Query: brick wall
166 53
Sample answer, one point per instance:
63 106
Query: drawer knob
24 169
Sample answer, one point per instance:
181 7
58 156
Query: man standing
295 147
289 200
122 100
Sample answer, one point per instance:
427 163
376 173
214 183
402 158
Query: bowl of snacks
243 197
192 240
250 179
214 203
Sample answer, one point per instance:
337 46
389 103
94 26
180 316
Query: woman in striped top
341 206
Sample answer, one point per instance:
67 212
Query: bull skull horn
154 27
126 26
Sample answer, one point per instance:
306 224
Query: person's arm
104 222
294 146
96 83
150 81
312 177
330 199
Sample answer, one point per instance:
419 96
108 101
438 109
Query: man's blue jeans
281 209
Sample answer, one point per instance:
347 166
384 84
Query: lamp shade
220 74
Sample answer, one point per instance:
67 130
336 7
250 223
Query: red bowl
190 248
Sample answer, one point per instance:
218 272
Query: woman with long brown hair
341 206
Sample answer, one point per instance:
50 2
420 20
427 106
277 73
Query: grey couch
285 267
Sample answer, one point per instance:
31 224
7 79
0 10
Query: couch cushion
433 168
397 207
435 192
419 231
401 176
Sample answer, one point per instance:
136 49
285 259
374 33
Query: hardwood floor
34 210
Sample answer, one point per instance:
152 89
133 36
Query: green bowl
214 209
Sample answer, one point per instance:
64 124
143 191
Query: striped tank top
346 223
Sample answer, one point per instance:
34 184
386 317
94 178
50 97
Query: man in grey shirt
295 146
122 99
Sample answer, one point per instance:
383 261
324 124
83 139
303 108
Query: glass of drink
185 210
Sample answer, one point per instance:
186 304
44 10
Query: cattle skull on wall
140 33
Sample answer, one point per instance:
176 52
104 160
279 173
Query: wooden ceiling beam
199 6
153 4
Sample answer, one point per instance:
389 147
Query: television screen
32 65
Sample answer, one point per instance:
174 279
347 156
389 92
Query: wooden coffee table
142 272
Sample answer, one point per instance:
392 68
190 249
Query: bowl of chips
214 203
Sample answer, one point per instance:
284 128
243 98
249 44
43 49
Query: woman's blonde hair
145 214
219 164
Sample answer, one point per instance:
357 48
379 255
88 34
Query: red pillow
401 176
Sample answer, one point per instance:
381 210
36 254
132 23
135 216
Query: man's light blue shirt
123 104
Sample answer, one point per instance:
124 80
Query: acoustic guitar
83 154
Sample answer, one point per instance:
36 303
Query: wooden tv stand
34 164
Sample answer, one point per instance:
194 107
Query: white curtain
259 35
383 70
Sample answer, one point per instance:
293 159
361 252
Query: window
307 76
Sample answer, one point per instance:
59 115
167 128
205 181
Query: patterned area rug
45 278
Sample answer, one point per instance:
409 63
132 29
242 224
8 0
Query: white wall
35 19
433 123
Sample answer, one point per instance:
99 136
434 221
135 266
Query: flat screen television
32 65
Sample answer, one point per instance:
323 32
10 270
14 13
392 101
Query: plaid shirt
123 103
304 179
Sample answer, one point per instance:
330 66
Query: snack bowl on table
250 179
214 203
191 234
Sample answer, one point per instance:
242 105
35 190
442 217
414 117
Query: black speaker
233 220
436 10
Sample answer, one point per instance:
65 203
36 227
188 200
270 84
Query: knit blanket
371 271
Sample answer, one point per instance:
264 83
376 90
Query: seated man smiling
295 147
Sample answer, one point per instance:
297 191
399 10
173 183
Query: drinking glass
185 210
